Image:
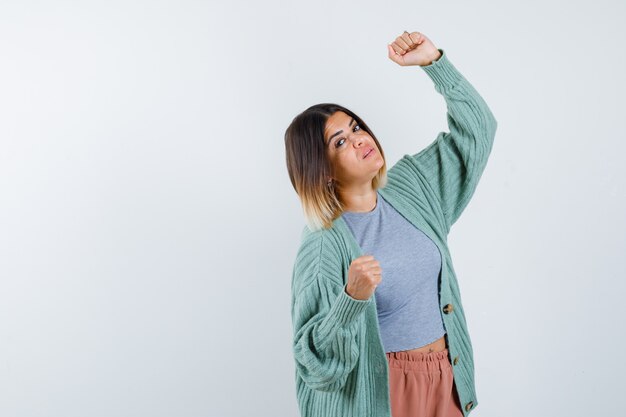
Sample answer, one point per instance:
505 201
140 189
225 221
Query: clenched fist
364 275
413 49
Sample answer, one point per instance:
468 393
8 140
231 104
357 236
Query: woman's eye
337 143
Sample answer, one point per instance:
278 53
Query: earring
330 182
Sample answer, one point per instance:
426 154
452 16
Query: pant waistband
418 356
426 361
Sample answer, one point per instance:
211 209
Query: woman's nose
357 140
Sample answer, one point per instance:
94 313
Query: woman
368 343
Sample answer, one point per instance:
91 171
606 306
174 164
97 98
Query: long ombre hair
309 165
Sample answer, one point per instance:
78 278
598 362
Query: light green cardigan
341 368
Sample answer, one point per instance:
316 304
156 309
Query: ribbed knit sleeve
326 320
454 162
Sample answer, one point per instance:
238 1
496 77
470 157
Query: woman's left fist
413 49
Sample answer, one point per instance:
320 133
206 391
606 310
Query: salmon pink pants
422 385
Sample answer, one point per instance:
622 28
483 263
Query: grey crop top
407 299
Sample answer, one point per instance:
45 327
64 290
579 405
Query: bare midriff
436 346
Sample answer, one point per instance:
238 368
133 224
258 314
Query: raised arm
453 163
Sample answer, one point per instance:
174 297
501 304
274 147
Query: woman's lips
368 153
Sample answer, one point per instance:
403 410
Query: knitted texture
341 369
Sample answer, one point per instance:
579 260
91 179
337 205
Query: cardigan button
469 405
456 359
448 308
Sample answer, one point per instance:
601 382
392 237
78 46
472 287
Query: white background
148 226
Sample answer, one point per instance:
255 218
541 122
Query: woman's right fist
364 275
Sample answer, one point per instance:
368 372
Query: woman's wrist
434 58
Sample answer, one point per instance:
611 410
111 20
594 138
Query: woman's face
346 146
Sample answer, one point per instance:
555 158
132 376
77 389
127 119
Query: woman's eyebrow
339 132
